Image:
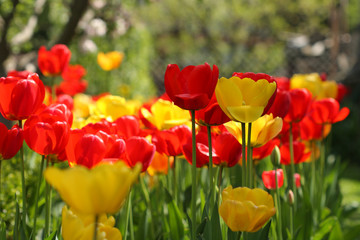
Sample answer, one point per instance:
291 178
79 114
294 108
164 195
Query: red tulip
299 153
342 92
300 100
193 87
283 83
228 149
53 62
212 114
262 152
73 82
309 130
127 126
20 97
10 141
66 100
281 104
202 150
19 74
268 178
327 111
285 131
48 132
139 150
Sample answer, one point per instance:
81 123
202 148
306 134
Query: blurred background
279 38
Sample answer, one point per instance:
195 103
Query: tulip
139 150
20 97
73 82
212 114
77 226
327 111
268 178
127 126
342 91
192 87
244 209
48 132
309 130
297 180
329 89
254 95
281 104
300 100
110 61
299 153
112 107
163 115
263 130
228 150
10 141
262 152
53 62
312 82
99 190
159 164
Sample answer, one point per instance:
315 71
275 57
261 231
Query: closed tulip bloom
139 150
99 190
10 141
110 61
312 82
254 95
192 87
300 100
263 130
77 226
127 126
54 61
299 153
20 97
297 180
268 178
212 114
281 104
246 210
112 107
227 148
327 111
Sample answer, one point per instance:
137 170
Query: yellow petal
246 113
256 93
113 107
102 189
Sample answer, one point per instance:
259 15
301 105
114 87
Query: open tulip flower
299 153
268 178
20 97
192 87
110 61
163 114
254 95
310 130
327 111
77 226
73 82
244 209
99 190
263 130
212 114
53 62
10 141
112 107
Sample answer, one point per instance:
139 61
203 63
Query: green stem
147 200
210 171
292 167
128 209
96 226
37 195
249 158
47 203
243 167
219 182
174 180
22 165
279 223
193 175
292 222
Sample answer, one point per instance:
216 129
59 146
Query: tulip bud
291 198
275 156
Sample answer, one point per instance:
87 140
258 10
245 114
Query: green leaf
2 230
52 236
175 219
262 234
232 235
325 227
353 233
336 232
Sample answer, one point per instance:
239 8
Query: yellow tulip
112 107
244 100
164 115
77 226
311 82
110 61
263 129
329 89
82 105
101 189
244 209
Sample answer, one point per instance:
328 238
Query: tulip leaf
2 230
262 234
175 219
325 227
17 220
52 236
232 235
